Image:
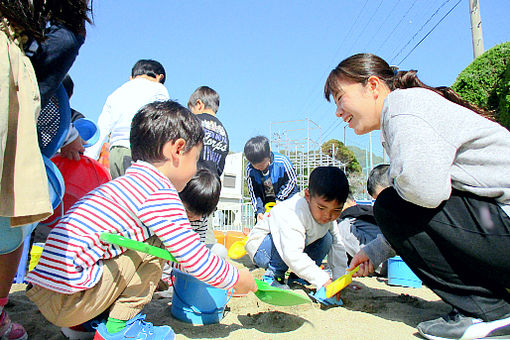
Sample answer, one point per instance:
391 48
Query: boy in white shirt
299 232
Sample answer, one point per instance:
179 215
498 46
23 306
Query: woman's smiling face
358 106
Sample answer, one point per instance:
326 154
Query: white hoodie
293 227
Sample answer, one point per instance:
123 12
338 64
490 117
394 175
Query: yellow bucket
35 255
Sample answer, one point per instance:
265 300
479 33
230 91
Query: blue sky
268 60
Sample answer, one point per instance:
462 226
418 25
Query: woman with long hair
447 210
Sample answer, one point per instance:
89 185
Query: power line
385 19
433 28
336 53
421 28
395 28
365 26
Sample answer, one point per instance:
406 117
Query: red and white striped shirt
137 205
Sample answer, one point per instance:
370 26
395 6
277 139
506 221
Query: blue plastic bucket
196 302
88 131
56 183
399 274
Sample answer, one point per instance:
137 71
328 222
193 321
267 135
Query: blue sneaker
268 279
136 328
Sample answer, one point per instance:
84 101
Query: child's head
167 134
201 194
150 68
326 193
378 180
204 99
258 152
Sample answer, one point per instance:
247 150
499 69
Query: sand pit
375 311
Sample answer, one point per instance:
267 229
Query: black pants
460 250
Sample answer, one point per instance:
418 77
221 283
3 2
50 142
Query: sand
374 311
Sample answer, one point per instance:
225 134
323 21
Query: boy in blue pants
79 277
299 232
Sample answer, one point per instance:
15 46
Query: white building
232 214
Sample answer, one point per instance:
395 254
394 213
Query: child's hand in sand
365 265
246 283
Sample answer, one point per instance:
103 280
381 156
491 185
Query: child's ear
307 194
172 150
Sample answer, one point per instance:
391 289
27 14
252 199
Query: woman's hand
365 265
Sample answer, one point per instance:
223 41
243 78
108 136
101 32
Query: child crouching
299 232
79 277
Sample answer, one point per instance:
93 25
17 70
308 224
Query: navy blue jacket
283 177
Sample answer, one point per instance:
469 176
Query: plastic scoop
277 296
265 292
340 283
236 250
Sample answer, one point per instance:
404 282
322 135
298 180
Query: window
229 181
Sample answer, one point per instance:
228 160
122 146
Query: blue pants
267 256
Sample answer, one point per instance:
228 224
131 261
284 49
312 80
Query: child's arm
165 217
255 192
289 237
337 256
290 181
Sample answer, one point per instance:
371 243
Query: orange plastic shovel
340 283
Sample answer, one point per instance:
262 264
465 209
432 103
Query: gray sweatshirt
435 145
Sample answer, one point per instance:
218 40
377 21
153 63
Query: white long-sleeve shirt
293 227
120 108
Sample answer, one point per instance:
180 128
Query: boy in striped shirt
79 277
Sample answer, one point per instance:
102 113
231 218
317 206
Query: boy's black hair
330 183
149 67
208 96
158 123
68 84
202 193
378 177
257 149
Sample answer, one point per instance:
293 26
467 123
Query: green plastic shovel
265 292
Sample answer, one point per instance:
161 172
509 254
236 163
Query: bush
486 82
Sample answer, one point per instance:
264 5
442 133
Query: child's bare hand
260 216
246 283
365 266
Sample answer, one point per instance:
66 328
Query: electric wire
307 102
419 30
433 28
395 28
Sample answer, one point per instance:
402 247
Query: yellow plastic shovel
236 250
340 283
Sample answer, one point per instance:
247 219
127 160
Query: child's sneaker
279 282
457 326
10 330
296 280
136 328
86 330
78 332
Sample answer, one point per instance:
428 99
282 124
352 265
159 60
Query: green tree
343 154
486 82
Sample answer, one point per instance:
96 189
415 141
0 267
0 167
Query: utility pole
476 28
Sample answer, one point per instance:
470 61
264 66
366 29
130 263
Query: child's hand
365 265
260 216
246 283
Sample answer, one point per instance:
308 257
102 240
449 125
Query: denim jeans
267 256
53 58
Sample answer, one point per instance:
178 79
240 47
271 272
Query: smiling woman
449 198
